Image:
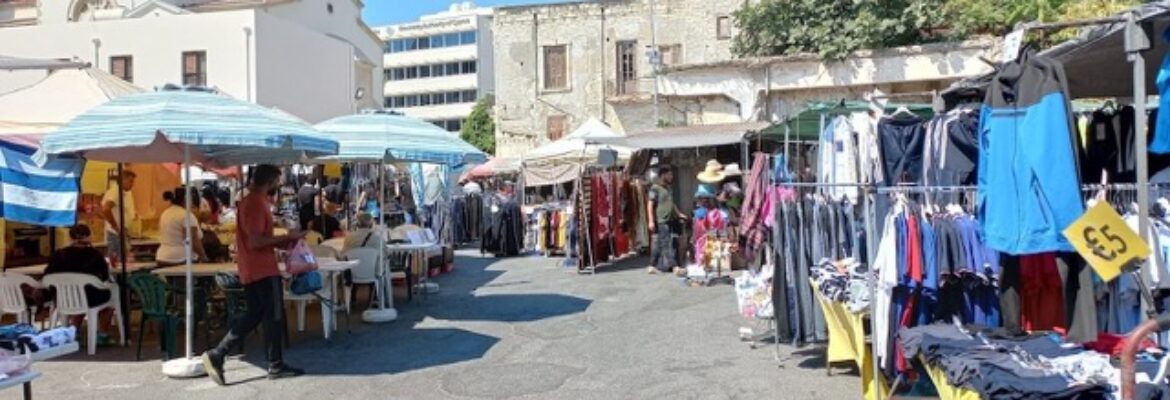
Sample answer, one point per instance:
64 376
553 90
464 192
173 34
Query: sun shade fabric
693 136
57 98
39 195
10 63
382 136
582 145
154 127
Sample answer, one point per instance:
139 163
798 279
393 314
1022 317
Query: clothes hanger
902 111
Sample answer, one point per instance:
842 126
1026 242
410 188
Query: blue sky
383 12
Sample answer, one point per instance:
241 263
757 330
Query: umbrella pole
189 366
190 312
123 251
385 311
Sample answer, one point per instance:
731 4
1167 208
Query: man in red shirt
263 290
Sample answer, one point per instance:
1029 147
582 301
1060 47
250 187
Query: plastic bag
300 259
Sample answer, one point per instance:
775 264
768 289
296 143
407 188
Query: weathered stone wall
591 32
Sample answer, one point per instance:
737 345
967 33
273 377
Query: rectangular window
453 68
439 98
723 27
399 74
627 77
469 96
410 44
437 70
467 37
438 41
397 102
671 54
452 39
387 102
454 125
424 99
424 71
555 67
424 43
195 68
454 97
122 67
410 101
411 73
468 67
556 126
397 46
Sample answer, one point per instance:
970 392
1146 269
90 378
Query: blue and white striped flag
39 195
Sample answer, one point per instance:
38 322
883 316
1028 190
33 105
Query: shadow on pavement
509 307
410 350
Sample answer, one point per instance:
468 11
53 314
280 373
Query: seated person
173 229
80 257
364 236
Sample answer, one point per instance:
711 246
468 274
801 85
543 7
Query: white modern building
315 59
436 68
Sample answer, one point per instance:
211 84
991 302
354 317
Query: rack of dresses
606 216
503 226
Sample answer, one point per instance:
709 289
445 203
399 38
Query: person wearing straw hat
712 173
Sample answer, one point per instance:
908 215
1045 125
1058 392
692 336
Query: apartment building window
449 125
556 67
431 99
431 42
122 67
468 67
195 68
723 27
627 77
671 54
556 126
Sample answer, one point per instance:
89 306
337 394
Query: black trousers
265 302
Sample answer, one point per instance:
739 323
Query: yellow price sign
1106 242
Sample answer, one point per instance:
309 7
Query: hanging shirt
886 264
838 162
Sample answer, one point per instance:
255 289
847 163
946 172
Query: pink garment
715 220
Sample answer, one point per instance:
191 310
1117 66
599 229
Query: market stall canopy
10 63
806 125
581 145
495 166
62 95
1096 63
155 127
389 136
681 137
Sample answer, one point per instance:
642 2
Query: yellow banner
1106 242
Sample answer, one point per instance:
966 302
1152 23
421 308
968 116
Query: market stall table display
24 379
186 124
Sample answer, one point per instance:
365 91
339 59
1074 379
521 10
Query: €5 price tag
1106 242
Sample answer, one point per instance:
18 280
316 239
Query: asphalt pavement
514 328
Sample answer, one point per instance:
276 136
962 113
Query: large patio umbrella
379 136
185 125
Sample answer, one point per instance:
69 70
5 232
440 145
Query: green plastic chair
152 293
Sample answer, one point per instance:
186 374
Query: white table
24 379
418 254
331 271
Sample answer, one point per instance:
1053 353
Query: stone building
558 65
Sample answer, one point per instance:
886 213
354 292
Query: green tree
835 28
479 128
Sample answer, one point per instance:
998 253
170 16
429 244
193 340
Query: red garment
913 250
1041 294
255 218
1111 344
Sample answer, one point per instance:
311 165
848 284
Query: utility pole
655 59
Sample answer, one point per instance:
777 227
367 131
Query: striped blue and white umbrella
388 136
155 127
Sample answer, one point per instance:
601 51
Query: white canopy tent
561 161
69 91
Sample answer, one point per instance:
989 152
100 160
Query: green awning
807 124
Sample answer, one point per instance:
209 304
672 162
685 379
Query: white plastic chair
365 273
70 300
12 296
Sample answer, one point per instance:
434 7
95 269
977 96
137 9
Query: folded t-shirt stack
24 336
843 281
1031 367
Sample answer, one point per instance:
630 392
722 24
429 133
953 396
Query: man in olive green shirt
663 213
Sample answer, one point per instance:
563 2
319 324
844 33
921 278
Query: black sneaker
213 364
283 371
